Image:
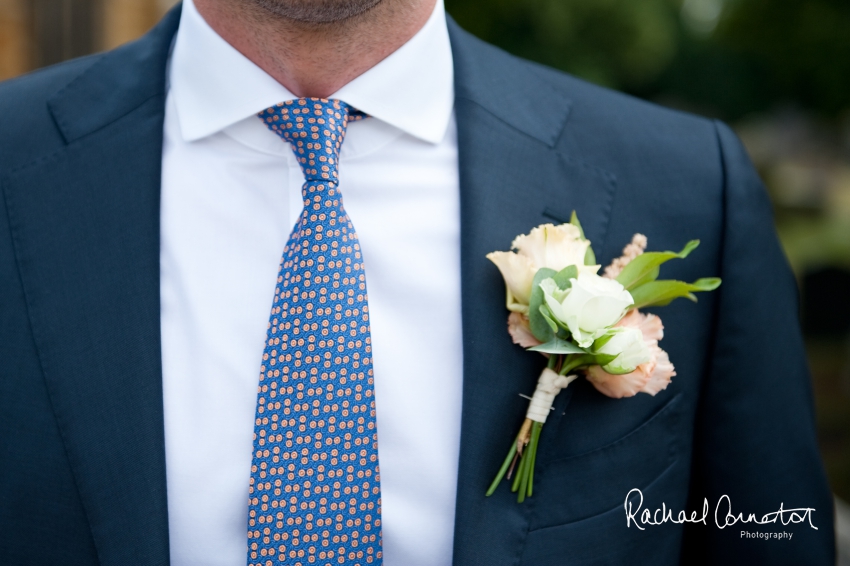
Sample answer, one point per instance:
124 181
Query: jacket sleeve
755 438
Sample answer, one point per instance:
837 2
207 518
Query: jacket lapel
85 223
513 176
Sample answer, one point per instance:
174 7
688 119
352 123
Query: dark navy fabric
82 460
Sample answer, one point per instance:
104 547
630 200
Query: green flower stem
572 362
524 468
504 468
535 439
523 481
529 457
519 472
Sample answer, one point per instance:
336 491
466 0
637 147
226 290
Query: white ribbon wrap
548 386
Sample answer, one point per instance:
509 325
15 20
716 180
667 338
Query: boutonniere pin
585 323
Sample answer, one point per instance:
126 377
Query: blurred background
778 71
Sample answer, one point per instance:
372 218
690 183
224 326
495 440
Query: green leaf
558 346
662 293
542 322
589 256
645 267
585 360
547 316
599 342
603 359
538 323
562 278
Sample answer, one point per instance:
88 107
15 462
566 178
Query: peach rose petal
520 331
649 324
631 320
651 327
651 377
663 371
617 386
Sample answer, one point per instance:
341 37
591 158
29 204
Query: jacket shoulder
613 109
42 111
630 136
608 128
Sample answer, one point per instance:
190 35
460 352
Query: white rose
588 308
629 347
555 247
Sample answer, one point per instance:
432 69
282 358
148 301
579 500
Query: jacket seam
37 341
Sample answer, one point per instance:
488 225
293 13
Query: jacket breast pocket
607 538
583 485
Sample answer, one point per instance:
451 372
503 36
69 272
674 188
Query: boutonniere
584 323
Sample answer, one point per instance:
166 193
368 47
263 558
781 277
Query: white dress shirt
231 192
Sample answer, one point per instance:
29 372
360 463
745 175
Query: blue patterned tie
315 494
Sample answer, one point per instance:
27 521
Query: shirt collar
214 86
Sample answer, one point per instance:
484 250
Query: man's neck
312 59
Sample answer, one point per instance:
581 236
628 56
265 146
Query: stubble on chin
316 11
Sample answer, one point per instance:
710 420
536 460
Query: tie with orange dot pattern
315 495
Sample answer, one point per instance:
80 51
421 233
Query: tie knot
315 128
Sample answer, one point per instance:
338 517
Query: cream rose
589 308
649 377
629 347
555 247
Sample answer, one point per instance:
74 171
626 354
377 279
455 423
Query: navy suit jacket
82 461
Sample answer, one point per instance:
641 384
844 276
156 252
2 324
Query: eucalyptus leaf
645 267
558 346
662 293
537 322
562 278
